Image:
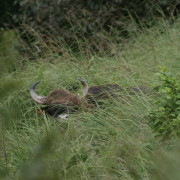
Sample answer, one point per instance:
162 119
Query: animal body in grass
61 101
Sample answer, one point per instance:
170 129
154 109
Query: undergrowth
113 142
165 115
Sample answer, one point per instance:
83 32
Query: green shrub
164 117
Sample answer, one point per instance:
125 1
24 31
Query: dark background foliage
82 19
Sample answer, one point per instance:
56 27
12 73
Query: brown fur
60 101
66 98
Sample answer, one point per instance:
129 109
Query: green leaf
161 108
177 102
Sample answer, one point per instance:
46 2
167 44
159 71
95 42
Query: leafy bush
164 118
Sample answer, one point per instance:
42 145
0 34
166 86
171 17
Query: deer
61 101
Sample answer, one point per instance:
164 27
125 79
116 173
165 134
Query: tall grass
113 142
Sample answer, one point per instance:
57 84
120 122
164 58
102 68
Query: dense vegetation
83 20
133 137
